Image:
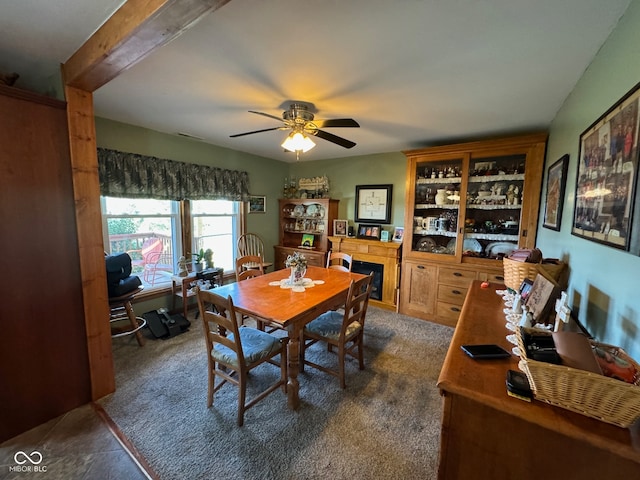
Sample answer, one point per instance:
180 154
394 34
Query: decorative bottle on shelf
441 197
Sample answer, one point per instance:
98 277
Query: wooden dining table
264 299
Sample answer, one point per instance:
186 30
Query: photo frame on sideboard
398 234
340 228
369 231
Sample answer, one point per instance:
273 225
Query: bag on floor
162 325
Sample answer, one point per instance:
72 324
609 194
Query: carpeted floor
385 425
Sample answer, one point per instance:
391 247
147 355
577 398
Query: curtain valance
132 175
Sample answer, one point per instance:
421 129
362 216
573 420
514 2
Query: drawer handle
455 309
457 274
420 267
499 277
456 292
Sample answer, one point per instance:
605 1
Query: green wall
345 173
604 281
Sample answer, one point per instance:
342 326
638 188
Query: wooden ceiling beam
135 30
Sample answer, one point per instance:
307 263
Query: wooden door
44 364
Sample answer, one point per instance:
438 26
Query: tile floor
79 445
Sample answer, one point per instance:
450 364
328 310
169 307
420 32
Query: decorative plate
451 246
312 210
500 248
298 211
471 245
425 244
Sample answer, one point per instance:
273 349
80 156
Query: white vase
297 275
441 197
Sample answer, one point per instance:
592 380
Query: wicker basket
515 272
608 399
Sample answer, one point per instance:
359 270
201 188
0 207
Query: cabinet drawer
455 276
451 294
448 312
317 260
495 277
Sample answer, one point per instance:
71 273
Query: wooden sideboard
387 254
488 434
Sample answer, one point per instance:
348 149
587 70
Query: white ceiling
412 72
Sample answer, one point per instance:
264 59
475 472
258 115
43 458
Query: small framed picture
384 236
366 231
556 184
398 234
340 228
257 204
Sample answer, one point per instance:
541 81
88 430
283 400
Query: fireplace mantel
374 251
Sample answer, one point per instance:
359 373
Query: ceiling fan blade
267 115
336 122
256 131
343 142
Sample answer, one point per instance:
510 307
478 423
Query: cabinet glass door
436 206
494 206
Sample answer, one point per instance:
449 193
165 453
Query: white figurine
182 267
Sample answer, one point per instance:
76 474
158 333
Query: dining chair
248 266
233 351
339 261
252 244
342 330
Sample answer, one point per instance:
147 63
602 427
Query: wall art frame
556 185
257 204
373 203
607 174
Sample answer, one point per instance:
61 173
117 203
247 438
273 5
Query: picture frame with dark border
257 204
373 203
556 185
606 176
340 228
369 231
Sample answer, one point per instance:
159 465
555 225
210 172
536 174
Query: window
150 231
215 225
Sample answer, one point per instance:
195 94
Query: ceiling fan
300 120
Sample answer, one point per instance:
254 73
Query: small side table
182 286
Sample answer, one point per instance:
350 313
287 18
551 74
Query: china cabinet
467 206
305 226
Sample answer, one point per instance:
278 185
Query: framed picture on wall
257 204
606 175
373 203
556 183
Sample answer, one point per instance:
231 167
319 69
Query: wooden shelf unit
487 194
299 217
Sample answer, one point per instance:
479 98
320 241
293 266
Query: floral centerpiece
298 265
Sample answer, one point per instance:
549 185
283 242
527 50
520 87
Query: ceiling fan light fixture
297 141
